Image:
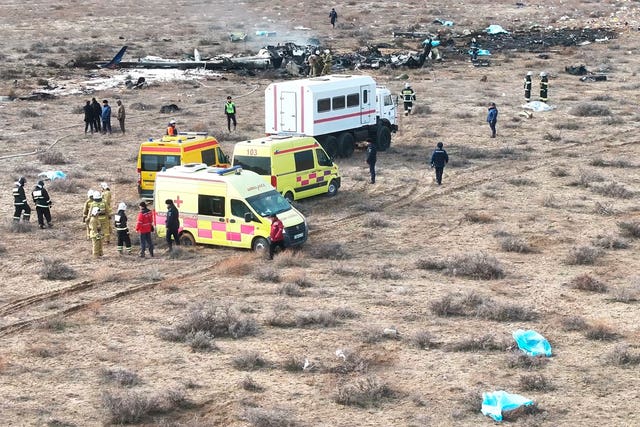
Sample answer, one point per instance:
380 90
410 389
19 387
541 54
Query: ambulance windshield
268 203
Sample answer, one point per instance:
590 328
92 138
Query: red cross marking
177 201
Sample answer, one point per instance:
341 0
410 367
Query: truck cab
386 107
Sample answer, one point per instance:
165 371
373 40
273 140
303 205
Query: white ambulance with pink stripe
226 207
338 110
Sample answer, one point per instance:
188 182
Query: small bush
364 392
447 306
583 255
600 331
238 265
376 221
590 110
63 186
613 189
478 218
604 209
200 341
585 282
500 312
56 269
341 270
385 272
294 363
574 323
350 362
329 251
610 242
431 264
291 258
627 294
123 377
374 334
20 227
621 355
559 172
518 359
484 343
180 253
515 244
567 126
552 137
260 417
52 157
585 179
629 229
290 289
268 274
477 265
521 182
29 113
316 318
249 384
535 382
520 412
219 321
423 340
249 361
345 313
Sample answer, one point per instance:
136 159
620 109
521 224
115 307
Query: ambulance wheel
331 146
332 190
260 244
289 196
186 239
346 145
383 138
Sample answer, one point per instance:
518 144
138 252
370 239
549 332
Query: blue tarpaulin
52 175
532 343
495 29
497 402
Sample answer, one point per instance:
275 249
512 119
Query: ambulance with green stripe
225 207
296 166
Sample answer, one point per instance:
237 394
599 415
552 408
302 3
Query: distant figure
230 111
544 86
527 86
474 49
327 60
408 96
276 236
439 158
97 114
311 60
86 212
171 128
319 64
492 118
371 158
333 17
22 208
106 117
95 232
144 226
122 230
121 116
89 121
106 196
43 202
431 43
172 224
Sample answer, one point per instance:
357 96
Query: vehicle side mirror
248 217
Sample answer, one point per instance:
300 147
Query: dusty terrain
549 208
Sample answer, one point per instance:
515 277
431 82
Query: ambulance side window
304 160
210 205
323 159
222 158
324 105
239 208
209 157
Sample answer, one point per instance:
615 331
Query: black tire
346 145
331 146
383 139
289 196
186 239
332 189
260 244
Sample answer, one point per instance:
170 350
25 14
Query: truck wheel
260 244
289 196
332 190
383 138
331 146
346 145
187 239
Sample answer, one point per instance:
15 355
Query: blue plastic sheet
52 175
480 52
434 43
497 402
532 343
495 29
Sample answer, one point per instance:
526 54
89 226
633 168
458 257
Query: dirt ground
378 320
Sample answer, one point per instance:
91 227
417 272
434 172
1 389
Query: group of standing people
97 118
544 86
41 199
320 63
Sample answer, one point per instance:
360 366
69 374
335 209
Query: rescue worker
86 212
171 128
172 224
103 216
327 60
276 236
22 208
230 111
408 96
371 158
319 64
144 226
106 117
122 230
439 158
43 202
106 196
474 49
95 231
527 86
544 86
311 60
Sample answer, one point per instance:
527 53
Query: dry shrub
627 293
328 251
522 411
364 392
559 171
19 227
590 110
521 182
629 229
56 324
585 282
121 376
52 157
431 264
456 305
504 312
316 318
275 417
574 323
201 341
299 278
469 403
478 218
290 258
351 361
344 271
610 242
180 253
281 317
518 359
295 363
604 209
219 321
56 269
376 221
132 407
486 342
621 355
374 334
237 265
478 265
345 313
613 189
63 186
423 340
249 361
586 178
600 331
583 255
515 244
291 290
385 272
249 384
535 382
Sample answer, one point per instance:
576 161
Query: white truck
340 111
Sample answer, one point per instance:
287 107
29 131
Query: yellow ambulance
169 151
296 166
224 206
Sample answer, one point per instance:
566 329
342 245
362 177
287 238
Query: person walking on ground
106 196
439 159
371 158
97 114
121 115
333 17
89 121
408 96
95 232
144 227
22 208
527 86
43 202
104 215
230 111
544 86
171 128
120 222
106 117
492 118
327 61
172 224
276 236
86 212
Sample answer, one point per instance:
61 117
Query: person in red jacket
276 237
144 226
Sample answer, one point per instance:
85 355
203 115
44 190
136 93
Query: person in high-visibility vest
527 86
408 96
230 111
171 129
544 86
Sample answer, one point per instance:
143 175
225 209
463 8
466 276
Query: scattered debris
594 78
526 114
495 29
171 108
576 70
532 343
443 22
237 36
494 404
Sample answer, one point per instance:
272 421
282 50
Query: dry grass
486 342
249 384
622 355
424 340
478 218
629 229
249 361
473 304
364 392
583 255
518 359
56 269
600 331
275 417
132 407
123 377
237 265
515 244
321 318
585 282
535 382
479 265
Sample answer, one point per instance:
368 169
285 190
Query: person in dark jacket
371 158
527 86
120 221
106 117
22 208
492 118
97 114
544 86
172 224
89 122
276 236
43 203
439 159
333 17
144 226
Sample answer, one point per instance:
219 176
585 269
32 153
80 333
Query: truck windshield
155 163
268 203
259 165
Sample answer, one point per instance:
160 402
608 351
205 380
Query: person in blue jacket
439 159
492 118
106 117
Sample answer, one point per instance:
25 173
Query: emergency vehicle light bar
235 169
